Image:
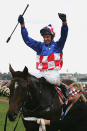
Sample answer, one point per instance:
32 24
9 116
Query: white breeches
51 76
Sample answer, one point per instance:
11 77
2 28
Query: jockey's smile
47 39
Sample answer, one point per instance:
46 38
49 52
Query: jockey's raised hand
62 17
21 19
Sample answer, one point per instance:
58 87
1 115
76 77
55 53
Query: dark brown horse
35 97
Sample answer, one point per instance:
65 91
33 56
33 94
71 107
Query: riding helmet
47 30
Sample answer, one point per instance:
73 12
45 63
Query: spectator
74 117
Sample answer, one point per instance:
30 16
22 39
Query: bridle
27 95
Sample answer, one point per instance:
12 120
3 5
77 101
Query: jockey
49 53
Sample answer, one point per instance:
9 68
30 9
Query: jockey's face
47 39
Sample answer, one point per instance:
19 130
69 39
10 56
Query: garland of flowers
4 91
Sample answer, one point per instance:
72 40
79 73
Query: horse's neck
42 98
42 91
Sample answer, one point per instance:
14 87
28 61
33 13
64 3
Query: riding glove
62 17
21 19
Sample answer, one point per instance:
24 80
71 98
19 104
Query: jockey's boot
63 89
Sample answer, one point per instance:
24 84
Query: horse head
18 92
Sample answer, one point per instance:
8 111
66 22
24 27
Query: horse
34 97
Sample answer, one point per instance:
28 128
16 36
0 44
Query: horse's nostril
12 116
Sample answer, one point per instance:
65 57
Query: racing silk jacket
49 57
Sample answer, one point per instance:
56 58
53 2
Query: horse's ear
11 69
25 71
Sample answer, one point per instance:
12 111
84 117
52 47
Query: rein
15 125
5 122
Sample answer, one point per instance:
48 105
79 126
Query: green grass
10 125
2 97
